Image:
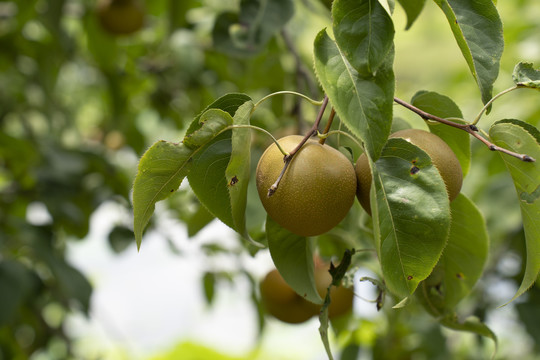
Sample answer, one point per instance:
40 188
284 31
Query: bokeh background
79 106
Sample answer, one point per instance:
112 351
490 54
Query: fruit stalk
287 158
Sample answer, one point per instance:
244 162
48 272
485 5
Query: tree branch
470 128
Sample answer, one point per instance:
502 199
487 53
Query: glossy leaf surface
412 215
363 103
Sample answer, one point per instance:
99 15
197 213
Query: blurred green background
79 106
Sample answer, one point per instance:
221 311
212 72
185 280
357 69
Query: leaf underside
521 137
293 257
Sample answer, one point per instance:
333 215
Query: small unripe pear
316 191
341 297
120 17
440 153
282 302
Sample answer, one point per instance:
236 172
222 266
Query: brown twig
287 158
469 128
328 126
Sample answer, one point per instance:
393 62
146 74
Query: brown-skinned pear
316 191
440 153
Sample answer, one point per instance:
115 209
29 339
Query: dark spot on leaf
414 170
460 275
410 277
172 190
414 161
233 181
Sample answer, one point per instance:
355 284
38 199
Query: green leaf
364 104
212 122
209 285
526 75
247 33
161 170
164 165
388 5
364 32
238 170
293 257
412 8
228 102
16 284
442 106
521 137
478 31
470 324
411 215
462 261
120 238
207 177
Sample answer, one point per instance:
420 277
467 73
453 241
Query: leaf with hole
411 215
238 169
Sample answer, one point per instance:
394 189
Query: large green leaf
164 165
411 215
412 8
238 170
363 103
462 261
521 137
247 32
161 170
293 257
364 32
478 31
526 75
442 106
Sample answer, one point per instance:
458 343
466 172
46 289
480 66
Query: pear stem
288 158
328 126
472 129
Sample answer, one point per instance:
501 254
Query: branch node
473 127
